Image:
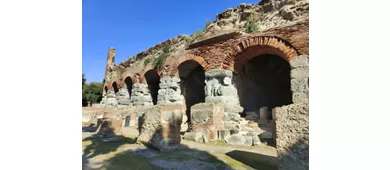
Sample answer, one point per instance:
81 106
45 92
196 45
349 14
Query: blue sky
133 26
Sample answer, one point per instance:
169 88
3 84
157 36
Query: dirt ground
126 154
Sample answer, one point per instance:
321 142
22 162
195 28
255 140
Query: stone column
140 95
123 97
104 98
111 99
219 88
170 93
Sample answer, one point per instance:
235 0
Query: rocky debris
186 165
207 118
248 140
194 136
256 140
169 91
236 139
140 95
146 153
150 128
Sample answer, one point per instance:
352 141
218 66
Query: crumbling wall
292 121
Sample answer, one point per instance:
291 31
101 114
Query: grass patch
147 61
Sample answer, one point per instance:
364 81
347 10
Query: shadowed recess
153 80
264 81
192 77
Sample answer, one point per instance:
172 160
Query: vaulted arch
245 50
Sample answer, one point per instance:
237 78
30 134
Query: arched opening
263 83
115 87
153 80
129 85
105 89
192 77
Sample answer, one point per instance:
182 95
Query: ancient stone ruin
225 83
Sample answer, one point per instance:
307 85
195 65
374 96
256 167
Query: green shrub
166 49
147 61
158 63
251 27
251 23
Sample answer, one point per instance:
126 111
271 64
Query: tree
92 92
84 80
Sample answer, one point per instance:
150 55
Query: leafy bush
158 63
193 36
251 23
251 27
92 92
166 49
147 61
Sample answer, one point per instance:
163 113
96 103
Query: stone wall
123 97
207 119
292 121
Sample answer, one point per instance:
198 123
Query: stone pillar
300 79
111 99
219 88
140 95
104 98
170 93
123 97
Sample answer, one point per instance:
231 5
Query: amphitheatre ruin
223 83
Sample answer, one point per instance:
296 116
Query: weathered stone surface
292 131
300 72
300 61
256 140
248 140
207 118
194 136
224 134
300 97
236 139
140 95
300 84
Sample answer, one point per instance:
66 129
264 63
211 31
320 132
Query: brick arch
122 78
145 70
241 53
174 67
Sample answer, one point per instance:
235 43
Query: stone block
300 72
300 61
236 139
248 140
224 134
299 84
256 140
300 97
194 136
207 118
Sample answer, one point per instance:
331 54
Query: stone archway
192 79
152 78
263 83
